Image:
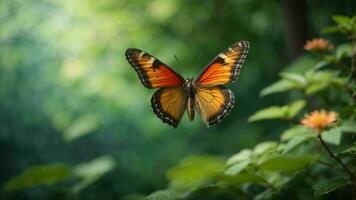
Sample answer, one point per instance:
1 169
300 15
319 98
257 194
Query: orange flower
318 45
318 120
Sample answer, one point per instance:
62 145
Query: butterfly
206 94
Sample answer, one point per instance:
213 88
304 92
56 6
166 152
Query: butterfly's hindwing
225 67
151 71
214 103
169 104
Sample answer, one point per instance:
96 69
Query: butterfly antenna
198 59
175 56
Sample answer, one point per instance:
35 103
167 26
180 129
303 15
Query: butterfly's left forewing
169 104
152 72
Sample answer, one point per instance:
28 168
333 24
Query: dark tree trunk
296 26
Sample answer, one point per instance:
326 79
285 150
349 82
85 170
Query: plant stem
325 164
346 169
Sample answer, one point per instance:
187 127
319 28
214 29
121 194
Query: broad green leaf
297 131
264 147
320 80
294 77
162 195
275 178
273 112
237 167
332 136
295 107
278 112
92 171
241 178
340 19
80 127
302 64
321 64
348 126
287 163
244 154
280 86
205 189
266 194
39 175
329 185
295 142
193 171
342 51
332 29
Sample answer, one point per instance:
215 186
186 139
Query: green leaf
81 127
194 171
297 131
279 112
294 77
332 136
295 142
287 163
39 175
302 64
264 147
162 195
342 51
273 112
294 108
348 126
279 86
244 154
321 64
319 80
340 19
237 167
92 171
242 178
329 185
266 194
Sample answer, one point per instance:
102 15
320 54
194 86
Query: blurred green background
69 99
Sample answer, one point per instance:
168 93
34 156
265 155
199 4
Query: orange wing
152 72
169 104
225 67
214 103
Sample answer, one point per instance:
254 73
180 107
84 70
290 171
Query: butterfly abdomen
190 108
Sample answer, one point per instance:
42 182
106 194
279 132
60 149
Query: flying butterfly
206 94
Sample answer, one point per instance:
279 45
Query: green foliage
275 166
91 171
345 25
326 186
287 163
67 95
279 112
162 195
193 171
80 127
39 175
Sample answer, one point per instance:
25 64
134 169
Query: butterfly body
190 90
206 94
